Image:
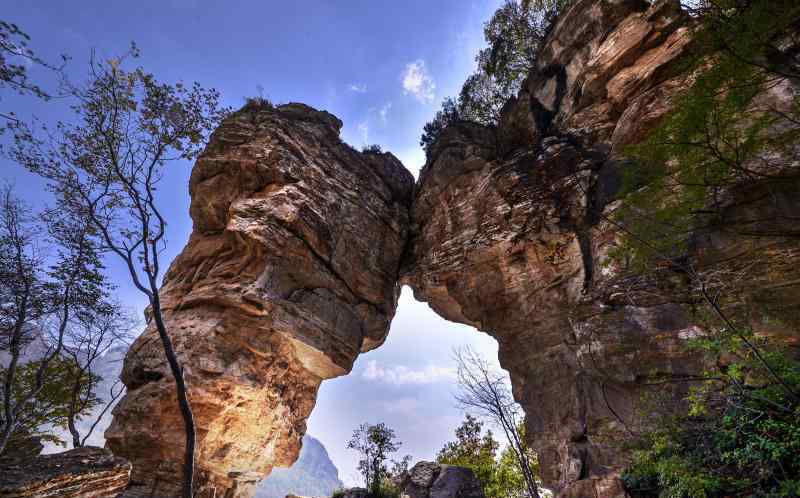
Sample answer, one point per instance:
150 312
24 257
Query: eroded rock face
292 268
80 473
511 234
289 274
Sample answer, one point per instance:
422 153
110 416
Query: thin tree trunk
73 408
182 395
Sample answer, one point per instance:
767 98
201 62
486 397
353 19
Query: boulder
434 480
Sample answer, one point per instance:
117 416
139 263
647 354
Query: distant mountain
313 474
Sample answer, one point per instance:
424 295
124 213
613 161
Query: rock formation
290 273
80 473
434 480
511 234
292 268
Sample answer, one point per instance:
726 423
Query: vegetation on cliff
739 434
513 34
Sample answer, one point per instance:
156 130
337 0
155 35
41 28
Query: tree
447 115
85 346
14 45
42 303
374 443
399 470
488 392
474 450
513 34
106 167
13 74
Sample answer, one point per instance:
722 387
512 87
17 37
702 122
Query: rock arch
300 244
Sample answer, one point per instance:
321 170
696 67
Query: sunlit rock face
292 268
511 234
289 274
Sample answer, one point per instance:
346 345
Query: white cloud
363 129
357 87
400 375
417 81
383 112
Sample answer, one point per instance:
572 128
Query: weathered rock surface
511 235
292 268
289 274
80 473
434 480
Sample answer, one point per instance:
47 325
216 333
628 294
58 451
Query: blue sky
382 67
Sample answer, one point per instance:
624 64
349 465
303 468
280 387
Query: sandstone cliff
292 268
511 234
290 273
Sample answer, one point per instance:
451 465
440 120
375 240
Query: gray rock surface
434 480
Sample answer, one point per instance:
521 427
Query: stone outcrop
512 233
292 268
80 473
289 274
434 480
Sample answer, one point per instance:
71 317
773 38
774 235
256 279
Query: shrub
372 149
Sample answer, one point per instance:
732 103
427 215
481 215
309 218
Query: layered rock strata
80 473
512 231
292 267
289 274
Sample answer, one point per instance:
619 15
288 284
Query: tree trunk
182 395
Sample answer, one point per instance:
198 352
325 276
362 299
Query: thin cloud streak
418 82
400 375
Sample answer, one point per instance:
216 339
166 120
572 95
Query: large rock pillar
289 274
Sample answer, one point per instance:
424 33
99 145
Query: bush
372 149
258 104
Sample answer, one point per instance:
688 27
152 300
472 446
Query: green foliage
712 139
14 75
513 35
375 443
472 449
258 104
739 433
500 477
49 409
447 115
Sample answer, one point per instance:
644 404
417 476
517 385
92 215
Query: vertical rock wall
511 234
289 274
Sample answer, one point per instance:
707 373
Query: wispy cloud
383 112
363 130
400 375
417 81
357 87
